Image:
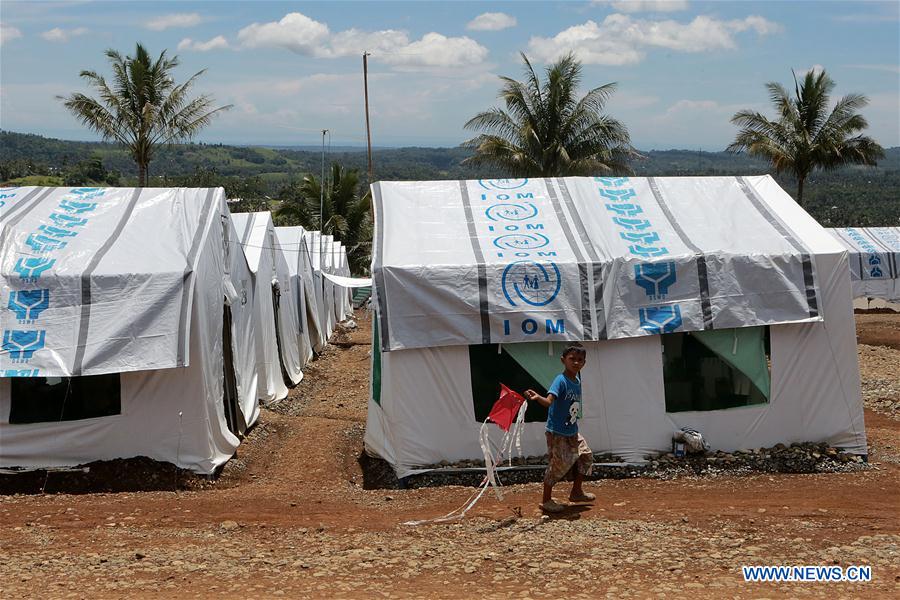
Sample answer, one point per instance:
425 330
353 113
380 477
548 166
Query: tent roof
101 279
462 262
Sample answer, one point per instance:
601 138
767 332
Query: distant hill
850 196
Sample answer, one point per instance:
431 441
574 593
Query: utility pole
368 129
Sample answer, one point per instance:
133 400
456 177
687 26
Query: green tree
345 214
142 107
547 131
805 136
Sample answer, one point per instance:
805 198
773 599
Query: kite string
490 478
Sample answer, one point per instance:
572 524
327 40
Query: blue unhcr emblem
531 282
660 319
31 269
521 241
502 184
41 243
876 272
511 212
76 208
62 220
655 278
21 345
29 304
57 232
19 373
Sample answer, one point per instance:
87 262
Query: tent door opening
231 402
55 399
276 305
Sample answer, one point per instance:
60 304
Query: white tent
115 306
874 256
293 247
713 303
278 351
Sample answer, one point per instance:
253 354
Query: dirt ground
290 516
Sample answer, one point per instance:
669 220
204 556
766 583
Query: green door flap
743 349
539 359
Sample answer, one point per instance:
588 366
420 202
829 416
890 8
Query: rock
229 525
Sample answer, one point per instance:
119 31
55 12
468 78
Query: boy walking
565 446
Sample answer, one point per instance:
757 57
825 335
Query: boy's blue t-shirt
563 414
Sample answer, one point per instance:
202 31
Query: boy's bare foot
583 497
552 507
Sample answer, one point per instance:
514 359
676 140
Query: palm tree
143 106
344 214
546 131
805 136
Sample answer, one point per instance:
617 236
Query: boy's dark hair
573 347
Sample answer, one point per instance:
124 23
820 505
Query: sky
682 68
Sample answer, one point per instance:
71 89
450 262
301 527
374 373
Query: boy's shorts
564 452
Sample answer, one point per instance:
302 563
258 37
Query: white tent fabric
349 282
128 283
316 242
874 257
293 247
617 261
637 257
239 297
278 352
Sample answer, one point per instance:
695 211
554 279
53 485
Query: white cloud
632 6
217 43
436 50
491 21
8 33
303 35
295 31
622 40
63 35
169 21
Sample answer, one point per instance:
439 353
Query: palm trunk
800 191
142 174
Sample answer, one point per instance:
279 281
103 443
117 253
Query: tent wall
239 295
422 410
293 247
149 423
815 396
257 236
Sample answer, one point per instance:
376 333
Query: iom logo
660 319
29 304
531 282
502 184
31 269
521 241
655 278
21 345
511 212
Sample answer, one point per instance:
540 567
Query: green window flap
743 349
539 359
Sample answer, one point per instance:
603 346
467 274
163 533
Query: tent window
53 399
717 369
519 367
